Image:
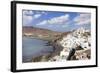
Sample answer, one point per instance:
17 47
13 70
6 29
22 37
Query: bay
32 47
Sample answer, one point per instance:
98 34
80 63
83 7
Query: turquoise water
33 48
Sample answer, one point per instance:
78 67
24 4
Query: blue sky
56 21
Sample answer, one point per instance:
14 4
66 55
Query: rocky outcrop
43 58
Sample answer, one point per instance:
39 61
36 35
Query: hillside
40 33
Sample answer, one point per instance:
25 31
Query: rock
43 58
71 53
83 54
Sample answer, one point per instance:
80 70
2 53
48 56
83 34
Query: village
76 46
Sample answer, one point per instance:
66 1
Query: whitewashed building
72 40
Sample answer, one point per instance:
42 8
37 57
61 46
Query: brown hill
40 33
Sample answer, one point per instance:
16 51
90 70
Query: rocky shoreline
56 51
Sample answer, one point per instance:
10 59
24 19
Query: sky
56 21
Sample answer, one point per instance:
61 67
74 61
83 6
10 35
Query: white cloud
65 26
29 16
56 20
27 19
43 12
28 12
42 23
83 19
36 16
59 20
